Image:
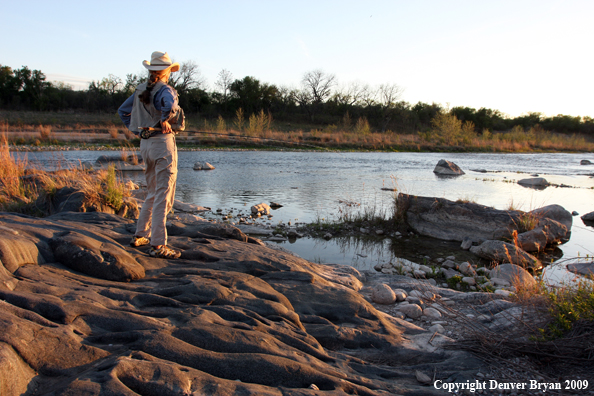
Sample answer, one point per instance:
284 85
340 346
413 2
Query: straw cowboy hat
161 61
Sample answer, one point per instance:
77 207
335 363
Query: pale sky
516 56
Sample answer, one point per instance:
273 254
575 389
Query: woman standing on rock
149 113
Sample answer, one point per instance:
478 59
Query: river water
315 186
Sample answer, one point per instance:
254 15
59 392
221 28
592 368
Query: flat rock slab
586 269
453 221
230 317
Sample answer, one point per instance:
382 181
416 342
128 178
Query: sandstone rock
102 260
16 375
261 209
203 166
445 167
383 294
503 252
17 250
239 318
514 274
537 182
412 311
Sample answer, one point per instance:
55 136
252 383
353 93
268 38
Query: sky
516 56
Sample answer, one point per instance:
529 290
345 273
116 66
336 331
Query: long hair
154 77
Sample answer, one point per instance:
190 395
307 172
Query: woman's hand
165 127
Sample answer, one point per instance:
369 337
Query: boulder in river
585 162
534 182
453 221
445 167
503 252
588 217
261 209
203 166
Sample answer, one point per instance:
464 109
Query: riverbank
40 131
230 316
230 309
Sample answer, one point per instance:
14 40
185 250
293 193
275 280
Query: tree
388 96
188 77
251 95
224 82
351 94
318 85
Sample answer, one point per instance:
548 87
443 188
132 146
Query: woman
154 105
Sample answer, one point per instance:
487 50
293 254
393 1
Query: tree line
320 101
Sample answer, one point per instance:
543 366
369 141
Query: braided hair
154 77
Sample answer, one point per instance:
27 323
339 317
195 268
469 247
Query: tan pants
160 157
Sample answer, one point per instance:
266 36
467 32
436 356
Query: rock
504 293
500 282
555 212
588 217
535 182
585 269
275 205
546 232
104 260
422 377
261 209
432 313
467 269
453 221
189 208
470 281
445 167
412 311
449 273
383 294
503 252
237 318
400 295
466 243
203 166
17 250
437 328
514 274
449 264
585 162
575 213
425 269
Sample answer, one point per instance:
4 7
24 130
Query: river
315 186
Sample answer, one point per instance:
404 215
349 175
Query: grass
446 134
569 305
22 184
